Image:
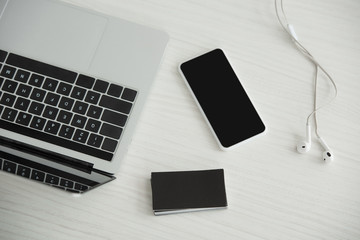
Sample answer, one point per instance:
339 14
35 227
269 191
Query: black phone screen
222 98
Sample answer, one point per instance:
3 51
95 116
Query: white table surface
273 192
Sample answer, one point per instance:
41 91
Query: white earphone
305 145
327 154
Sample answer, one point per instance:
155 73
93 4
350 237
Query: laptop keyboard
62 107
44 174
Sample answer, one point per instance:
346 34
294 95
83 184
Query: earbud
327 154
304 146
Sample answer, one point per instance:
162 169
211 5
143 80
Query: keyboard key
22 104
9 166
109 145
52 99
94 112
80 107
129 94
66 103
3 55
36 108
23 90
1 81
115 104
115 90
66 131
85 81
63 142
81 187
50 84
50 112
51 179
80 136
7 99
37 175
9 86
64 116
23 118
93 125
1 161
52 127
78 93
95 140
66 183
92 97
9 114
22 76
38 123
36 80
38 94
64 89
101 86
42 68
78 121
8 71
111 131
23 171
114 118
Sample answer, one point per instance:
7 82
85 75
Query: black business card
185 191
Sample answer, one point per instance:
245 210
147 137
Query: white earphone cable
315 101
307 54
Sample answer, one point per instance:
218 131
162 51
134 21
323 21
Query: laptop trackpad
60 35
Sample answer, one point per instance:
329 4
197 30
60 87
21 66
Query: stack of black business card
186 191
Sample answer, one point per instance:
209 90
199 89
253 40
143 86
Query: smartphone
222 99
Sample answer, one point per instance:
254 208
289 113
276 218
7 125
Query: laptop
73 83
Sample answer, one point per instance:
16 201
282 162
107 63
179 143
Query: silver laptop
73 83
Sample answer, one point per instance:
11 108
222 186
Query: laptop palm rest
72 35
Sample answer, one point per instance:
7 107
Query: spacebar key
42 68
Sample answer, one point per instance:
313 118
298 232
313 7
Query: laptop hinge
48 155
